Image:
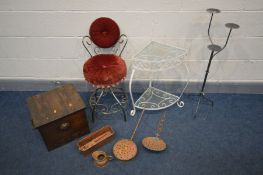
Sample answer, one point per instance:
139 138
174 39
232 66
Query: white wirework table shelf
153 58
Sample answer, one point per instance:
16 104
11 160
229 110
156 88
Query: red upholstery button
104 32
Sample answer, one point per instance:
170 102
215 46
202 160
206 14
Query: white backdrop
41 39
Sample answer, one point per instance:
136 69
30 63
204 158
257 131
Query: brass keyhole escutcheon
64 126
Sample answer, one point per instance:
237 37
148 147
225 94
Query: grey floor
228 141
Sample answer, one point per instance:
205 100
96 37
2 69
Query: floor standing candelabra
215 49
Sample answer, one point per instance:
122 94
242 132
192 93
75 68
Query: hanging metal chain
160 124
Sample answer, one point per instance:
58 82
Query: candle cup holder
215 49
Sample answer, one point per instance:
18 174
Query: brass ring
101 158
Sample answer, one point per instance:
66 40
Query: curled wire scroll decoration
108 107
164 100
93 49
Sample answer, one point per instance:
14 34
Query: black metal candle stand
214 49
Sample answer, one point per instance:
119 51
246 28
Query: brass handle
64 126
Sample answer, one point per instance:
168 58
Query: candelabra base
202 103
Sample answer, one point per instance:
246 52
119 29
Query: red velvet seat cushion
104 32
104 70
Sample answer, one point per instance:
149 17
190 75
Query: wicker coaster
154 143
125 149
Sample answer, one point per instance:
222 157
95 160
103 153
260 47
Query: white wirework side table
156 57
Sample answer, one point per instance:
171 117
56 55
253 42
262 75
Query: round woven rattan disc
154 143
125 149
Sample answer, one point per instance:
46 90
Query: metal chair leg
96 102
122 108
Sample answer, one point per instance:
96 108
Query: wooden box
95 140
59 115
